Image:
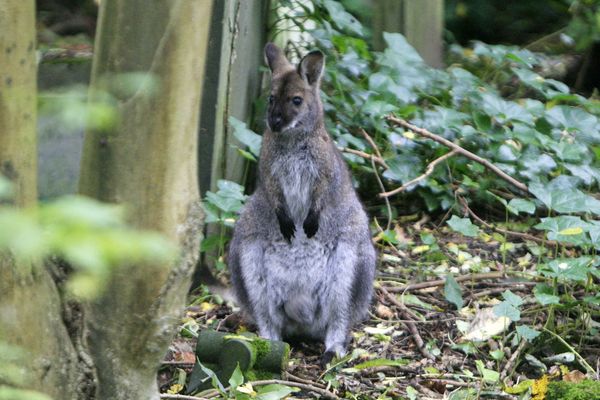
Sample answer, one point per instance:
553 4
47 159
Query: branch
409 324
441 282
521 235
364 155
425 133
428 172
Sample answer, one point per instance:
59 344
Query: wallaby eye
271 99
297 100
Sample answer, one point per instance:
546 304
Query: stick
511 361
325 393
425 133
364 155
180 397
428 172
503 231
410 325
442 282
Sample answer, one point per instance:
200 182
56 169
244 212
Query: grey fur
301 257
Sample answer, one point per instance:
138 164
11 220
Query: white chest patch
296 174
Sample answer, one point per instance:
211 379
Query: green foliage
221 210
585 24
91 236
584 390
452 292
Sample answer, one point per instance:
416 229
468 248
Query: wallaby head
294 102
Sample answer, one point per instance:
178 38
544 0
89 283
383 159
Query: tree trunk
30 307
148 162
421 21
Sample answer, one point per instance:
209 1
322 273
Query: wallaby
301 258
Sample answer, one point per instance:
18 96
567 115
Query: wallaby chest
296 172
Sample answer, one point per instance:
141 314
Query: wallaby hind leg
262 303
341 273
362 286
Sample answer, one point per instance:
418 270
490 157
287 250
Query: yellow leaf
205 306
521 387
539 388
420 249
174 389
571 231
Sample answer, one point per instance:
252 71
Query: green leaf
214 379
464 226
488 375
274 392
508 310
527 333
381 362
545 294
522 205
237 378
11 393
569 269
512 298
343 19
452 292
246 136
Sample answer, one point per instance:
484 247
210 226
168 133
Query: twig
578 356
466 153
503 231
428 171
371 142
364 155
295 378
410 325
379 182
304 386
180 397
512 360
442 282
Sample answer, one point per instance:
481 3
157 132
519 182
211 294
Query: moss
262 347
584 390
258 375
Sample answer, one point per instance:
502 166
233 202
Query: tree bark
148 162
30 305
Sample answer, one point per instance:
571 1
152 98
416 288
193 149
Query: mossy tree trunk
148 162
30 306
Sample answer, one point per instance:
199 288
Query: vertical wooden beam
421 21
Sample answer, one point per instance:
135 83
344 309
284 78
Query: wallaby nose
276 122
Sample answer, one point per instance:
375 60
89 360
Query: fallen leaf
485 324
383 311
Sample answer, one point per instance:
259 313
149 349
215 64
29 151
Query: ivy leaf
544 294
343 19
274 392
237 378
452 292
527 333
508 310
488 375
246 136
464 226
522 205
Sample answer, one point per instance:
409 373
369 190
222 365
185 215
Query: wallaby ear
311 67
276 59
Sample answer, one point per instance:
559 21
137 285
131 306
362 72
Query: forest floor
416 344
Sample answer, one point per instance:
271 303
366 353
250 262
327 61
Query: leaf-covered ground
417 344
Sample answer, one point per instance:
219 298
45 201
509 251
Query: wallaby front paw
311 223
326 358
286 225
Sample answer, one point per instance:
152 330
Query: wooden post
421 21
